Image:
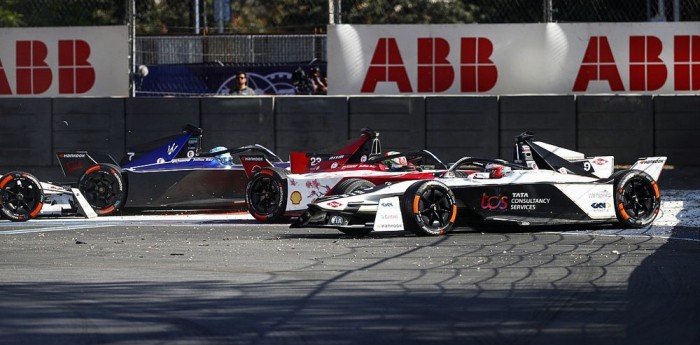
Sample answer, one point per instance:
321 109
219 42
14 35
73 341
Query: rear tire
266 195
21 196
104 188
637 199
350 185
428 208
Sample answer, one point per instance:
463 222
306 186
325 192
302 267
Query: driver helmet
397 162
496 170
224 158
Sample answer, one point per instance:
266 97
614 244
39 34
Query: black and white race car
543 185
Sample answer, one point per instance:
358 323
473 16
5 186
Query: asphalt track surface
224 279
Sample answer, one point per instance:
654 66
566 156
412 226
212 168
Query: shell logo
295 197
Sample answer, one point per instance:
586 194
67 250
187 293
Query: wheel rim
265 195
20 197
101 189
434 208
638 198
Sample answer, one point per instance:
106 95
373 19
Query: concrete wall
32 130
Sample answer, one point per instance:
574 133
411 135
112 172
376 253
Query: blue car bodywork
168 173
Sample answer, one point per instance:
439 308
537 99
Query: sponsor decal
476 72
334 204
494 202
337 220
600 161
334 165
190 154
171 148
516 201
454 59
388 216
647 70
652 161
363 158
522 201
72 155
600 205
603 194
251 159
64 61
295 198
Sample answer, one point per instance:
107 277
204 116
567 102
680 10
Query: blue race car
169 173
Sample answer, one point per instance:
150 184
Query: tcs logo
494 202
35 76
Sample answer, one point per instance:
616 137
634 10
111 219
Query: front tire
266 195
428 208
637 199
104 188
21 196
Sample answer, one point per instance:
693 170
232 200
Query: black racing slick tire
428 208
104 188
21 196
266 195
350 185
637 199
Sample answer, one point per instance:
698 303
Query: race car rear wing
356 151
74 163
253 163
650 165
541 155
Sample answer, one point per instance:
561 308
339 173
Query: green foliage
311 16
407 12
9 17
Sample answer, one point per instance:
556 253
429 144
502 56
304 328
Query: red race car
272 194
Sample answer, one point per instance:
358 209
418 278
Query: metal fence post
547 11
131 29
334 12
196 17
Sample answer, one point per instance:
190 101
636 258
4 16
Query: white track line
56 228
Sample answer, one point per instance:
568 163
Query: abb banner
64 62
502 59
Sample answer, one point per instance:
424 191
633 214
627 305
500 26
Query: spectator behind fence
320 86
243 89
302 83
